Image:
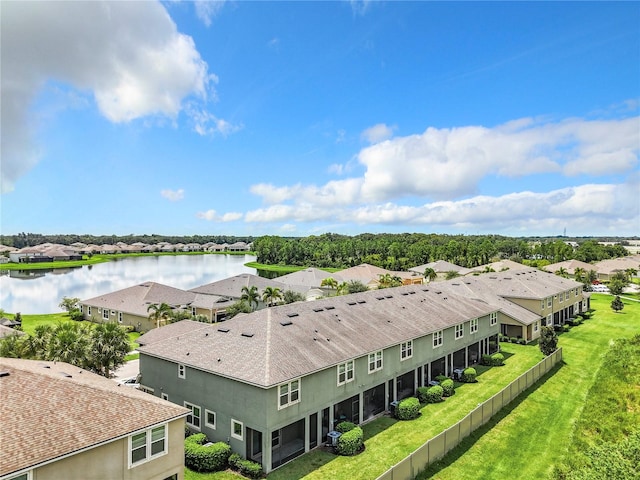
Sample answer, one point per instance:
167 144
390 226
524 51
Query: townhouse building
274 383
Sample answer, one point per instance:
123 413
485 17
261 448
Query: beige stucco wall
110 461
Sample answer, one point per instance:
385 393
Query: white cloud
359 7
444 164
97 48
585 208
288 228
206 10
212 216
378 133
173 195
206 123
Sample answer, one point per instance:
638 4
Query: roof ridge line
267 349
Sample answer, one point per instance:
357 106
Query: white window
535 327
210 419
193 419
473 326
288 393
146 389
147 445
493 318
375 361
22 476
165 396
548 302
119 317
549 320
576 292
345 372
459 331
406 350
542 306
437 339
193 311
236 429
88 310
105 314
182 371
561 297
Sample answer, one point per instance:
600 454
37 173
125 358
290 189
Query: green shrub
486 359
408 409
422 394
447 387
234 460
351 442
441 378
344 427
514 340
245 467
434 394
566 328
503 338
492 345
469 375
205 459
522 341
496 360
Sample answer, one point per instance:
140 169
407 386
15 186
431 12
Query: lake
33 291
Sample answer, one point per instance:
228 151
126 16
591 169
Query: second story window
288 393
549 302
459 331
473 326
375 361
345 372
406 350
493 318
437 339
182 371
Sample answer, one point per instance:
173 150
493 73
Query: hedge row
495 360
200 458
430 394
245 467
350 442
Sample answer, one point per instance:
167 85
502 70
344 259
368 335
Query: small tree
289 296
617 304
236 308
451 274
69 303
356 286
548 340
616 286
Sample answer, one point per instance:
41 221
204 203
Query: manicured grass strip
30 322
283 269
226 475
536 434
388 441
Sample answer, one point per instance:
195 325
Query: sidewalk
129 369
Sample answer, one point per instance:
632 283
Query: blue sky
299 118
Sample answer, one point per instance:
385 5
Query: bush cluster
441 378
469 375
447 387
408 409
433 394
245 467
344 427
199 458
349 443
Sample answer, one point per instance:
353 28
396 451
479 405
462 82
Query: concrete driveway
129 369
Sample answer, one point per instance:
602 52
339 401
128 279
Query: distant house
61 422
569 265
441 268
238 247
608 268
499 266
130 306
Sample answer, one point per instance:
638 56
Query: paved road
129 369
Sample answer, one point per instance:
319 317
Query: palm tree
251 296
430 274
271 294
331 283
109 347
451 274
630 273
562 272
385 281
342 288
159 313
38 342
579 274
70 344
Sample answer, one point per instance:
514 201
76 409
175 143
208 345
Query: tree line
399 252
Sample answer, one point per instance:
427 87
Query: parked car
130 382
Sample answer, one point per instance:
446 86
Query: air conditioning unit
333 437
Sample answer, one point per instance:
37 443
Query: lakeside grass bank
283 269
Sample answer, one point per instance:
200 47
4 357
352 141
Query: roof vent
4 374
412 293
330 308
65 375
351 303
318 309
388 296
380 298
223 330
285 323
248 335
404 293
291 315
362 301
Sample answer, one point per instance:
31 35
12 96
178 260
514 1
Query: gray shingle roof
46 414
441 266
276 344
136 299
232 286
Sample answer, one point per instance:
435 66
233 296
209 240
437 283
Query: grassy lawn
283 269
388 441
226 475
536 434
30 322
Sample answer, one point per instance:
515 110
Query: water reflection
38 291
